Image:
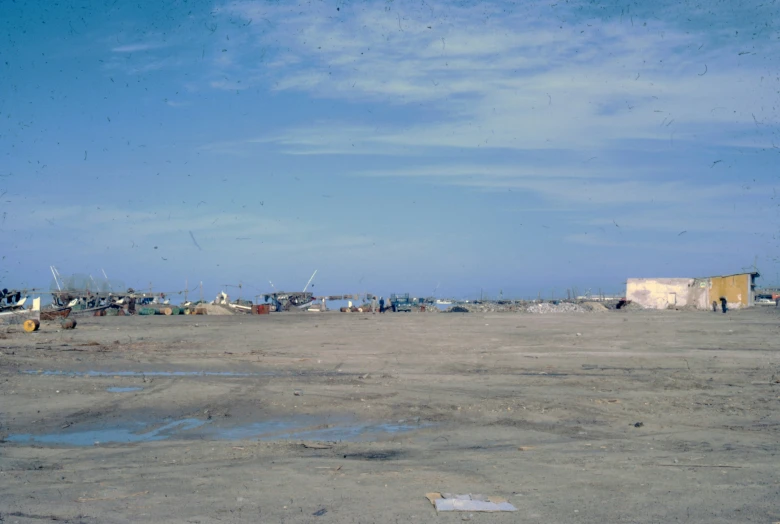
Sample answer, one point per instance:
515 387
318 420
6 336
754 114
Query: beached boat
55 314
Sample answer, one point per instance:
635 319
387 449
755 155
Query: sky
435 148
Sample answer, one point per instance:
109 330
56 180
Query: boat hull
56 314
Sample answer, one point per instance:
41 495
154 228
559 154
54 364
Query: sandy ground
352 418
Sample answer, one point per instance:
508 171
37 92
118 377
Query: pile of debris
527 307
457 309
633 306
560 307
594 307
365 308
486 307
212 309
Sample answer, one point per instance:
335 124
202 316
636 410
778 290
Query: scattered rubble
457 309
594 307
526 307
212 309
632 306
485 307
550 307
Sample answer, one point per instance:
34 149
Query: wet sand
605 417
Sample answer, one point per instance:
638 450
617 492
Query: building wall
736 289
699 295
661 293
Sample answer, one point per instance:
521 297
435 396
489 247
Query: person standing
381 305
724 304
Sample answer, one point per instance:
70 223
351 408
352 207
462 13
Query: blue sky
394 146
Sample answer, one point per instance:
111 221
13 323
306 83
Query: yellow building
700 293
739 290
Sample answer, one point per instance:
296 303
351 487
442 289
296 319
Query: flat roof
751 273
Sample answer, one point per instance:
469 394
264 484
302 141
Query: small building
663 293
739 289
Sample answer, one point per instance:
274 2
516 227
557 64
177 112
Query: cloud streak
138 47
514 80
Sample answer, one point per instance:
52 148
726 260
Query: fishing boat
55 314
17 312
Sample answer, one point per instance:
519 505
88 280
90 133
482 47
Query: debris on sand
535 307
561 307
632 306
213 309
457 309
484 307
594 307
316 445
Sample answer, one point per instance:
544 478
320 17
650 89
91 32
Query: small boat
17 313
55 314
91 311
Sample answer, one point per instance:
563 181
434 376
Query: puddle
141 374
292 428
128 389
109 436
354 433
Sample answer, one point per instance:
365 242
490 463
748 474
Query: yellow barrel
166 311
31 325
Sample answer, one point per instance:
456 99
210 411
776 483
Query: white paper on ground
467 503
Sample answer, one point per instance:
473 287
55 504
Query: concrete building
699 293
738 289
663 293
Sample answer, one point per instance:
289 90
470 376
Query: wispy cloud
513 80
138 47
676 245
572 183
318 138
228 85
147 63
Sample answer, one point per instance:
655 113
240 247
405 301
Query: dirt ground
620 416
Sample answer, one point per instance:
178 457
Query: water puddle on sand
142 374
128 389
108 436
292 428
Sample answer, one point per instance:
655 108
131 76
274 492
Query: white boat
18 313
